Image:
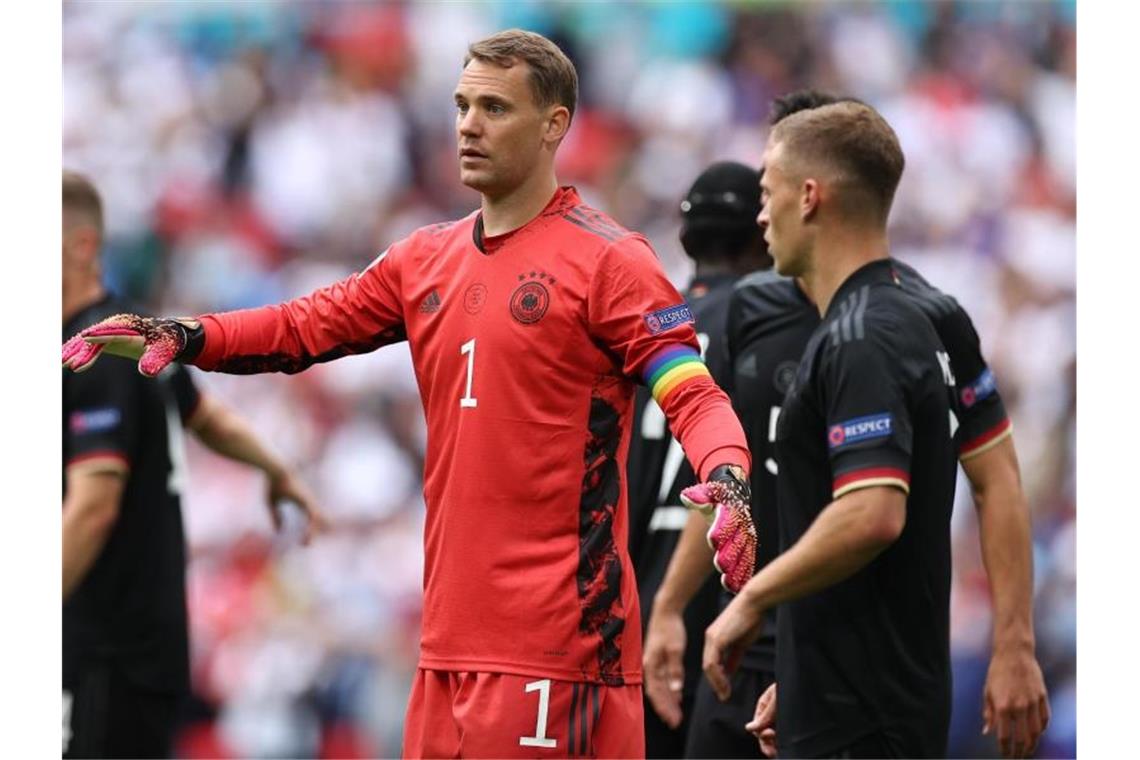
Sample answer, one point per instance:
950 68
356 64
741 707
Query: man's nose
469 123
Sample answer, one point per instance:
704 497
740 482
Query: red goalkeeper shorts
459 714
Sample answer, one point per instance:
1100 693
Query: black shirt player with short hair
125 648
876 377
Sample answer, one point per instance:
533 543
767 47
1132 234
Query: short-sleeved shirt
527 347
769 323
129 611
870 405
658 472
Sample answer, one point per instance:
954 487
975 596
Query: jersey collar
877 271
564 198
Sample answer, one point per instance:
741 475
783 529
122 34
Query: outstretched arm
353 316
1016 702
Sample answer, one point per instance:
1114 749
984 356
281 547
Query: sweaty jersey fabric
870 406
128 615
526 352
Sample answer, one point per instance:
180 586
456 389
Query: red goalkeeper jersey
526 348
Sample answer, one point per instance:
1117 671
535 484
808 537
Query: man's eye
462 107
496 108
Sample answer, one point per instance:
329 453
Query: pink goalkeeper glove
155 343
724 500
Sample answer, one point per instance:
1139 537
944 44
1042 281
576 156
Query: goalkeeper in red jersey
530 322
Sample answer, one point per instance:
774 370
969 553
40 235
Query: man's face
780 214
499 127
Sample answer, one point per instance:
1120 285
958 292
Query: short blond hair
855 142
81 199
553 78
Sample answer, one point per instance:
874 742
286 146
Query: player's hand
724 500
726 640
1015 701
663 663
763 723
153 342
285 486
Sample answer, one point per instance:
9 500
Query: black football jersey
130 609
871 404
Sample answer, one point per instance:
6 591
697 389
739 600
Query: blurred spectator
249 152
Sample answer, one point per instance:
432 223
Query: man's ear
810 199
557 124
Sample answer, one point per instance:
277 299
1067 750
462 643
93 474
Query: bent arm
849 533
90 510
1003 522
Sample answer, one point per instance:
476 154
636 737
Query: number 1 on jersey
469 349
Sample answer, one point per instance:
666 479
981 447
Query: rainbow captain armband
672 367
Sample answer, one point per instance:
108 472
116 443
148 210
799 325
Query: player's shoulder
426 241
590 230
440 233
876 315
766 285
936 304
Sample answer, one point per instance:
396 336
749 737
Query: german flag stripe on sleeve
870 476
672 367
95 459
986 440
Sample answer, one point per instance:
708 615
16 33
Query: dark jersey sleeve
103 413
982 417
869 427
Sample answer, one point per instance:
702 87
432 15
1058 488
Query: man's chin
783 267
475 180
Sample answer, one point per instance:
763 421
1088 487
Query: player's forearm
846 536
688 568
1006 538
85 532
332 322
1003 524
225 433
708 429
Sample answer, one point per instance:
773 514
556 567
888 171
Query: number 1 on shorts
540 738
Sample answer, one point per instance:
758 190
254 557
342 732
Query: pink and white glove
155 343
724 500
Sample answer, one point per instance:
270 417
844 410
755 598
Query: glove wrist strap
193 339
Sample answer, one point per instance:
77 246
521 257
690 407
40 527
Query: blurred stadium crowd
249 152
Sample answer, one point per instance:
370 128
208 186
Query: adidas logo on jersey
431 304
